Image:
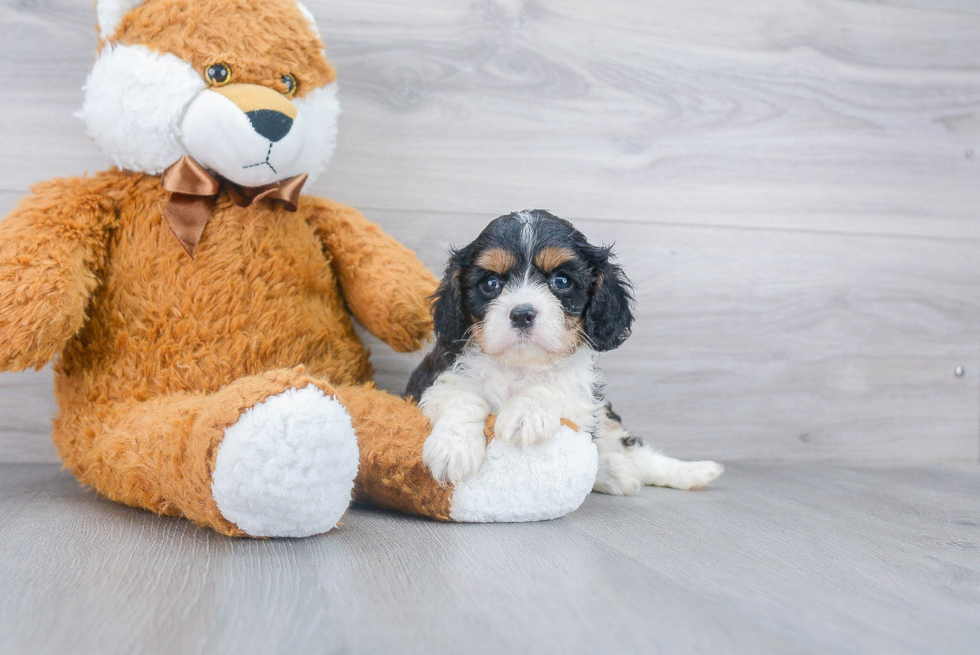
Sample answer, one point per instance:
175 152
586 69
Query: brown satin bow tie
192 191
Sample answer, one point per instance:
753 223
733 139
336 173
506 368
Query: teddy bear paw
286 468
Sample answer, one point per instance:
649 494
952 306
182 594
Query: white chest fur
503 481
569 384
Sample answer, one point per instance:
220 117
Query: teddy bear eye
290 83
218 74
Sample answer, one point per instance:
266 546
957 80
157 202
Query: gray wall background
793 186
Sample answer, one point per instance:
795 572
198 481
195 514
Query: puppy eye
561 282
290 83
218 74
490 285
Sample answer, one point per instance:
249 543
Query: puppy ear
448 313
608 317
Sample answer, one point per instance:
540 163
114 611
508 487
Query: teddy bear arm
386 287
51 247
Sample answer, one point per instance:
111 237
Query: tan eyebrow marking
550 258
497 260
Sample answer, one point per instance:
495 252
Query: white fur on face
147 110
134 100
545 340
321 110
219 135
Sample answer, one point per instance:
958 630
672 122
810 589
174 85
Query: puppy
520 318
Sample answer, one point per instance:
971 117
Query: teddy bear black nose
270 123
522 316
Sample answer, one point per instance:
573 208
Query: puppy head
530 290
243 86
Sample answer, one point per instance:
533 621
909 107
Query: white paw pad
286 468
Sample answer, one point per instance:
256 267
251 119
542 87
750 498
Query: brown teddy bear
199 309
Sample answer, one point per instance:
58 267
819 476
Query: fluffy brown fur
160 352
157 353
279 39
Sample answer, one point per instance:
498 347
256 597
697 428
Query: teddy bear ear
308 15
110 14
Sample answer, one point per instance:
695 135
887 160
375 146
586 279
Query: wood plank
841 116
27 406
790 558
47 49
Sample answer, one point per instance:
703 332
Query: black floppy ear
608 317
449 316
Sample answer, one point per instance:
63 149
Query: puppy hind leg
626 463
618 474
662 471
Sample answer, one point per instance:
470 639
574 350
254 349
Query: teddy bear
200 309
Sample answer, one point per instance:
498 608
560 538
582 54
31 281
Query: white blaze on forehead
110 13
527 221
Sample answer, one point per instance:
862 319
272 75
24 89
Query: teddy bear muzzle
247 133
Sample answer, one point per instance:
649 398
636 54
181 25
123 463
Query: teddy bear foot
518 484
286 468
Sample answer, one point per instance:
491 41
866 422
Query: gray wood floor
777 558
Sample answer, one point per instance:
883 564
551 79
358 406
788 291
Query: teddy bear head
242 86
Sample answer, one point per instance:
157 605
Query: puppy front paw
526 423
454 451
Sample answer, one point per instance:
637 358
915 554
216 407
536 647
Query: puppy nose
522 316
270 123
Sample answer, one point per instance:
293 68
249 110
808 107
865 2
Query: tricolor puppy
520 318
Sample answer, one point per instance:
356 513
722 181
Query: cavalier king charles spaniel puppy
520 319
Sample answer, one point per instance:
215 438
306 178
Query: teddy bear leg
390 434
513 484
272 455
